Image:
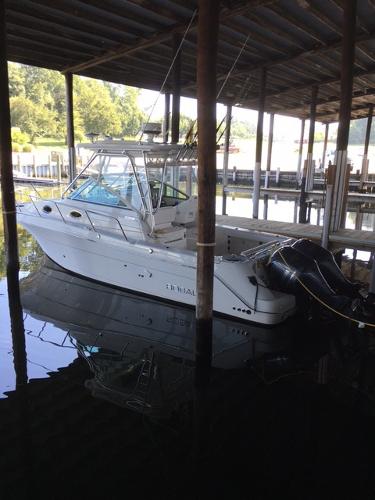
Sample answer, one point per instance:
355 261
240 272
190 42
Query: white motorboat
124 222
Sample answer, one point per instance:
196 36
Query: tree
38 104
30 118
241 129
16 80
93 102
130 114
357 131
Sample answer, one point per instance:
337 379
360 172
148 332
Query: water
102 396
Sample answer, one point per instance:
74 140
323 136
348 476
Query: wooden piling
259 142
328 205
347 63
364 171
167 111
176 96
6 168
325 145
269 150
300 151
307 181
70 125
208 23
310 146
228 121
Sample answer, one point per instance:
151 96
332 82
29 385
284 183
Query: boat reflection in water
141 351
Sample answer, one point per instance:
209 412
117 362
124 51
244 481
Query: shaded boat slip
115 406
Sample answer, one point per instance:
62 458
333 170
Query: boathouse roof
131 42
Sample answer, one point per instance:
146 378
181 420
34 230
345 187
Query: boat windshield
112 181
115 180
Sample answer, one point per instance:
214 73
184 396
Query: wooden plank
349 238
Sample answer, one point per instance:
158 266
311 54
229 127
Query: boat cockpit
141 178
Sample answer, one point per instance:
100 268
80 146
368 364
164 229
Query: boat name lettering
180 289
178 321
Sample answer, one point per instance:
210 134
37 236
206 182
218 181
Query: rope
170 69
233 66
360 324
222 87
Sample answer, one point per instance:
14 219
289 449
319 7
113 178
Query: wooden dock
348 238
295 193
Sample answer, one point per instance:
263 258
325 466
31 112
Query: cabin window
94 191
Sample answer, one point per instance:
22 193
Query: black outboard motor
291 271
328 267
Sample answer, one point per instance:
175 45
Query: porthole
47 209
75 214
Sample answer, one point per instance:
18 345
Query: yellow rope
361 324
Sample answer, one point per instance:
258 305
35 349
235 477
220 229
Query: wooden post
70 125
226 157
175 132
17 327
310 146
328 206
208 23
58 167
34 167
167 106
6 167
259 142
325 146
364 171
269 151
307 181
347 62
299 165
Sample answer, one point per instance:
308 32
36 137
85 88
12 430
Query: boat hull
157 271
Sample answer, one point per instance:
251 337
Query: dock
353 197
346 238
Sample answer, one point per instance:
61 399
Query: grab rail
86 212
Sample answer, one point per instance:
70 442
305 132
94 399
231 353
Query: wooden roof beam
226 13
291 57
325 81
334 99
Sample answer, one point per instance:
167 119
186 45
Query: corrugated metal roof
298 41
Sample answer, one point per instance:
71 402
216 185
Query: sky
285 128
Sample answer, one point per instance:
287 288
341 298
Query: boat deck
348 238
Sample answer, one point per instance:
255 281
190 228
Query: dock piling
6 167
228 120
208 24
259 142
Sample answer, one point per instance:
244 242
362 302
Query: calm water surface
101 395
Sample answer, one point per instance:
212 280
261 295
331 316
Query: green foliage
19 137
186 124
96 109
30 118
242 130
16 148
27 148
38 105
357 132
319 137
